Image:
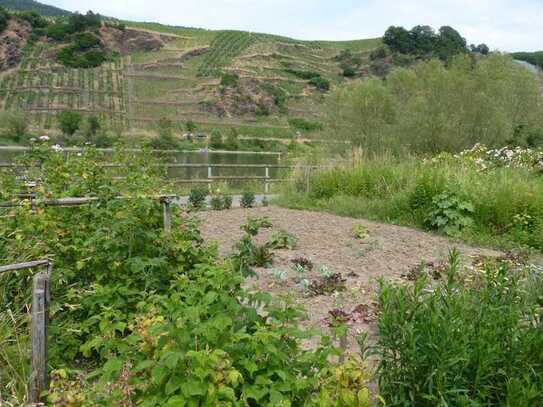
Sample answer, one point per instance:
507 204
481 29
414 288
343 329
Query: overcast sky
506 25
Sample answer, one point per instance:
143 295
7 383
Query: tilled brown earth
388 252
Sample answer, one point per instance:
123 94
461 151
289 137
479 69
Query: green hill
31 5
263 85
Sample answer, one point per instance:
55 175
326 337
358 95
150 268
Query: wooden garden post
167 202
266 184
209 177
39 378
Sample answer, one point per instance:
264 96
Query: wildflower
56 148
79 154
44 138
33 139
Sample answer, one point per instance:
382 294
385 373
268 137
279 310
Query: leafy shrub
254 224
262 256
215 140
307 75
304 124
216 202
283 240
69 122
34 19
379 53
247 199
13 126
227 202
349 72
320 83
470 341
450 213
229 80
197 197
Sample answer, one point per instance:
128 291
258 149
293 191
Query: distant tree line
534 58
424 42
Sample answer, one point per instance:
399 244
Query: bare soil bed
388 252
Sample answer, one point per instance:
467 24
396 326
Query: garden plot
330 243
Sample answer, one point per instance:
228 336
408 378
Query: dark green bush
197 197
229 80
307 75
320 83
33 18
349 72
4 17
300 123
69 122
247 199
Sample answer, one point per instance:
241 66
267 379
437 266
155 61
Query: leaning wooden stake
39 379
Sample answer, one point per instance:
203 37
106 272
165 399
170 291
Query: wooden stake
167 216
39 379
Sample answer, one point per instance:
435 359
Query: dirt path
328 240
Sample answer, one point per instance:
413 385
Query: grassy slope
179 93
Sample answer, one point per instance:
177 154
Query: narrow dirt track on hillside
328 240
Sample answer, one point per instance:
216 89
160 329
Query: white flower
79 154
33 140
56 148
44 138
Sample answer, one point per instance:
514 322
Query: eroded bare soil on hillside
388 252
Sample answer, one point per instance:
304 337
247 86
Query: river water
201 157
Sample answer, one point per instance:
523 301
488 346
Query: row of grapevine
44 89
225 46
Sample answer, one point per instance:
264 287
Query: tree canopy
423 41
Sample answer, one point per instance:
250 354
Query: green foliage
307 75
320 83
197 197
232 142
349 72
450 213
247 199
215 140
247 254
360 232
433 108
280 97
34 19
69 122
262 110
4 17
225 46
254 224
534 58
503 198
191 126
283 240
303 124
221 202
468 340
138 318
13 126
229 80
422 41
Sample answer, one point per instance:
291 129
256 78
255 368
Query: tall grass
14 357
460 343
507 203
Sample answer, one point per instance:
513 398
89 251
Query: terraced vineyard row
225 46
43 89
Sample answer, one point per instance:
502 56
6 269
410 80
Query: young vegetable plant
283 240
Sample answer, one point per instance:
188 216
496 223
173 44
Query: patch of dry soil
328 240
12 42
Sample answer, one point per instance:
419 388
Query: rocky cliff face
12 42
